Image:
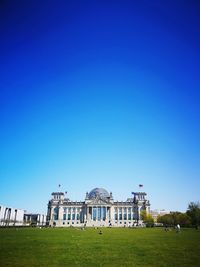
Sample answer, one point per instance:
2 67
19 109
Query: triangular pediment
97 201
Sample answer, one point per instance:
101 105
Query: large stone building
98 209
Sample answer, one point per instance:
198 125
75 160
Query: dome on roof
98 193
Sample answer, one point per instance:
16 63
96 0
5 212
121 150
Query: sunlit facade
98 209
11 216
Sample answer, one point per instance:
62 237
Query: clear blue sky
99 94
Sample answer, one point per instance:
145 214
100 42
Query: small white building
11 216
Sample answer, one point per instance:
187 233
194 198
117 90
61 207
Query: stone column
38 220
75 214
9 213
5 216
15 218
131 214
138 212
84 214
89 218
100 214
51 214
134 213
60 214
87 213
117 215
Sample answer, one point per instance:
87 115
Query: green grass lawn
28 247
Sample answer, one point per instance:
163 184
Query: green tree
194 213
165 219
147 218
143 215
175 218
184 220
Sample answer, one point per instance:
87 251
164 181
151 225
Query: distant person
178 228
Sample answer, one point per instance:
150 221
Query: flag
59 185
140 185
132 193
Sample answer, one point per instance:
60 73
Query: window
94 214
134 216
55 213
120 213
99 213
64 217
116 214
103 213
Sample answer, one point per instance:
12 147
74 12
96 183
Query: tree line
190 218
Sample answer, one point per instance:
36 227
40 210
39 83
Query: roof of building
98 193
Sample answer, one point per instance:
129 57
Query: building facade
34 219
11 216
98 209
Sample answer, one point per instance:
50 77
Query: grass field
28 247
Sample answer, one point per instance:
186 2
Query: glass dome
98 193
